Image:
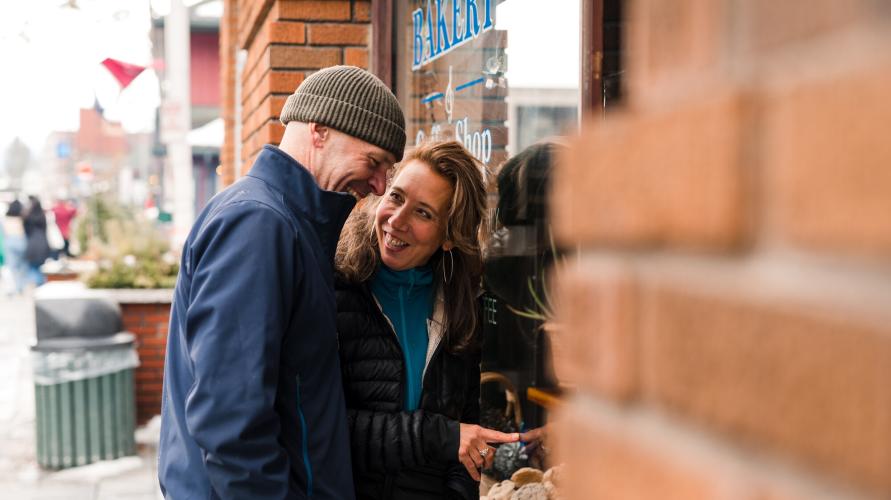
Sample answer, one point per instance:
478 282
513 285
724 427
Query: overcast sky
543 42
51 56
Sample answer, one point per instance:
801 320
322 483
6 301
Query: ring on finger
484 452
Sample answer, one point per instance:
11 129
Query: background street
132 478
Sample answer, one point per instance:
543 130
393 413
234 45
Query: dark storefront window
502 77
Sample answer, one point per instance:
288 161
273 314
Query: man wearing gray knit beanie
253 405
347 111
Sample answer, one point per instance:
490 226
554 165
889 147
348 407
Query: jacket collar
435 326
434 330
325 210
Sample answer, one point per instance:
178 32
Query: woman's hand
535 438
474 450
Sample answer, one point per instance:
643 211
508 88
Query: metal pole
178 117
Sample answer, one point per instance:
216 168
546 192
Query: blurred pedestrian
37 248
64 212
2 252
14 244
253 404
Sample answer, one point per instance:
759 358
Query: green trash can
85 408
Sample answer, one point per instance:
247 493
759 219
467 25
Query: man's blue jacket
253 404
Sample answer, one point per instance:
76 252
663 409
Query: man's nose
378 180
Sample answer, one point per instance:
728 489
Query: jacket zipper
396 337
304 433
381 309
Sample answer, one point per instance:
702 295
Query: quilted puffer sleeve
458 482
390 441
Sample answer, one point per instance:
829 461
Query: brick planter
61 276
146 314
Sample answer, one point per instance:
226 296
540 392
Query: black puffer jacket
398 454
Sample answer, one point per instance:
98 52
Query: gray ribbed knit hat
353 101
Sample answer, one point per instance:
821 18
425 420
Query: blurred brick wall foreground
728 324
285 40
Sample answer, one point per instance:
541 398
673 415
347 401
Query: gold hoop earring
452 267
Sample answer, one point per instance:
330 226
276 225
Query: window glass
502 77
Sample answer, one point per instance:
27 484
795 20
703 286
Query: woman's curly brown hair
358 255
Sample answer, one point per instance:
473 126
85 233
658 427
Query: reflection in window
543 68
502 77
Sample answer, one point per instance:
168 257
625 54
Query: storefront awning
209 135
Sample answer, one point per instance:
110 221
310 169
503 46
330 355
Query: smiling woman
409 268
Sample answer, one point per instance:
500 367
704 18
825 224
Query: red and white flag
123 72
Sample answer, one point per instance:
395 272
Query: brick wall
285 40
728 325
149 323
228 48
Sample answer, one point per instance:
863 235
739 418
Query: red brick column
146 314
228 30
728 324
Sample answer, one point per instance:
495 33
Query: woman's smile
393 243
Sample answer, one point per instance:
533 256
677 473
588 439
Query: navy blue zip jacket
253 403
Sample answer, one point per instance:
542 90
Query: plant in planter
133 271
544 310
89 227
543 303
130 251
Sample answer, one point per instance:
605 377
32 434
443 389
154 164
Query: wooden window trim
591 79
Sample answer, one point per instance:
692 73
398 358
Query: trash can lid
76 317
122 339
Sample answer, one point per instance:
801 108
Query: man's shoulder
246 188
246 196
246 204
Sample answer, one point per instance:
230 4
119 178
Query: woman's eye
425 214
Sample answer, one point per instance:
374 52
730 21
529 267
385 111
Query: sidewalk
133 478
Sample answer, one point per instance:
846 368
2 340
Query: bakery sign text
446 24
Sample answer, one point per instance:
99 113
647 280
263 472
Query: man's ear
319 134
